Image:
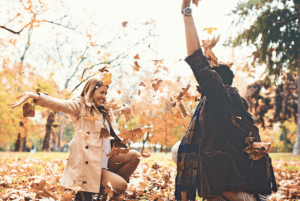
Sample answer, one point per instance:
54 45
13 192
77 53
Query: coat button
88 132
86 147
86 162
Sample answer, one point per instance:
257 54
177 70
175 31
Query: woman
87 165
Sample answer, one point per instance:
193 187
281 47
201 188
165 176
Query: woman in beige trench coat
87 165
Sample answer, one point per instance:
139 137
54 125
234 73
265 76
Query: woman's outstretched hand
23 98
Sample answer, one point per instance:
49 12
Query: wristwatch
186 11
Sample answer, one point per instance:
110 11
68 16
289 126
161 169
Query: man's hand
186 3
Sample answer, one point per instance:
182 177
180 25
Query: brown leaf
28 111
104 132
83 134
156 83
92 118
139 92
136 56
145 153
124 24
142 84
257 150
183 92
155 166
108 189
182 109
103 70
116 151
196 2
119 92
136 66
133 135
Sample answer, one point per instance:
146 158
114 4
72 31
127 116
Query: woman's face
99 96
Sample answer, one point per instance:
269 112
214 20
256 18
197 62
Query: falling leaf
99 52
124 24
84 134
119 92
28 111
210 30
92 118
106 78
196 2
143 185
104 69
182 109
116 151
139 92
257 150
108 189
133 135
104 133
136 66
183 92
136 56
142 84
156 83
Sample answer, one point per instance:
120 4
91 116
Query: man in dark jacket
211 158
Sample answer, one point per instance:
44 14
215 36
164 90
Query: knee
122 186
134 154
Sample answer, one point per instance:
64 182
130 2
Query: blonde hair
89 88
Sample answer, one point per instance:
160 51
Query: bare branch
12 31
284 21
27 45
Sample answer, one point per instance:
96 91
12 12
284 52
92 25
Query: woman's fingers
19 96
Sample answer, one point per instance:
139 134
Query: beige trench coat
85 159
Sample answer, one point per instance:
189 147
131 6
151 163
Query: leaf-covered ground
25 176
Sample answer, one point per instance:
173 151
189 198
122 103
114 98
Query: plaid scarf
188 154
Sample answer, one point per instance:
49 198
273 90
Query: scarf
188 154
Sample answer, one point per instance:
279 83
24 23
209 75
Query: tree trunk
46 143
296 150
17 147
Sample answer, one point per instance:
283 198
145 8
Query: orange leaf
84 134
183 111
104 132
136 56
156 83
139 92
136 66
133 135
210 30
119 92
92 118
28 111
107 78
116 151
124 24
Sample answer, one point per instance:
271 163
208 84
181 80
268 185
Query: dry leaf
133 135
116 151
183 92
84 134
182 109
103 70
136 66
145 153
108 189
106 78
104 132
119 92
142 84
210 30
155 166
92 118
257 150
28 111
136 56
124 24
156 83
139 92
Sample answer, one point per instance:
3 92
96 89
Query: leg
124 164
118 183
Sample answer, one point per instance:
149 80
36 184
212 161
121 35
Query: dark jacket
222 164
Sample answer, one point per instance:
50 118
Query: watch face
188 11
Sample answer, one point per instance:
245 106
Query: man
211 158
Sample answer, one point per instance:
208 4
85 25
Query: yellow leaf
210 30
106 78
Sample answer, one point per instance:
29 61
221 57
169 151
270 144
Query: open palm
23 98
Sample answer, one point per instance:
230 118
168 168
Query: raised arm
67 106
192 40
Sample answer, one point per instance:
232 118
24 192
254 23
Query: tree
275 36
